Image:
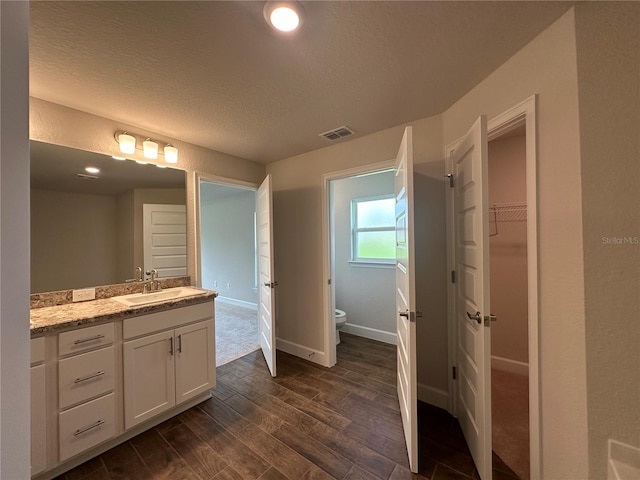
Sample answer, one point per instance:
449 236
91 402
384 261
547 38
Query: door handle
404 314
271 284
477 317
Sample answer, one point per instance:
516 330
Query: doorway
471 230
361 236
508 298
228 264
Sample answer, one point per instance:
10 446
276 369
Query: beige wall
60 125
508 251
547 67
609 93
14 251
297 184
73 240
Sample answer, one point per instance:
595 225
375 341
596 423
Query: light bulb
150 149
170 154
127 143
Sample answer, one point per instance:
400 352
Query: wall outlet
228 286
84 294
215 283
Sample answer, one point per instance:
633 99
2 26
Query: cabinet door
38 420
149 377
195 360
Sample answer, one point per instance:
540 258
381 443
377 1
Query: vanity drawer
77 341
86 425
85 376
168 319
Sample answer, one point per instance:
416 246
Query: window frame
361 261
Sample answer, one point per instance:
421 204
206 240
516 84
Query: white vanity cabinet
168 358
86 381
38 407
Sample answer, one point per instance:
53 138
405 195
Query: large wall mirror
88 229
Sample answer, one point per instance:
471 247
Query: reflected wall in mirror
87 228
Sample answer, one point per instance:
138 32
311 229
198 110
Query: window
373 229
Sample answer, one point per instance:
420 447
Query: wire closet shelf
506 213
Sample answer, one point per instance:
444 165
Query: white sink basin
136 299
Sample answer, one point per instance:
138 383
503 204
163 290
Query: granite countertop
64 317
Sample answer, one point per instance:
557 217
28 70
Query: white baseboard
301 351
507 365
433 396
237 303
371 333
624 461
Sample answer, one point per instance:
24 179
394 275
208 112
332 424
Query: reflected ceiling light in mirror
150 149
140 162
283 16
92 170
127 143
161 166
170 154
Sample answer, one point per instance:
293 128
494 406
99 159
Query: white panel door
149 377
406 297
165 239
195 360
266 282
470 171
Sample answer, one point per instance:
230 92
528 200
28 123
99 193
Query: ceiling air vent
84 176
337 133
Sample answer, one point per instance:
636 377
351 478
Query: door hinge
453 276
450 177
454 373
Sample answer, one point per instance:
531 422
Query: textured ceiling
214 74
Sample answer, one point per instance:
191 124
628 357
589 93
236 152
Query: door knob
477 317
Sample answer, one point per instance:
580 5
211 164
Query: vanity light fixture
150 148
170 154
283 16
127 143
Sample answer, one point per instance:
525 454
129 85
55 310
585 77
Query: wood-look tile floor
308 423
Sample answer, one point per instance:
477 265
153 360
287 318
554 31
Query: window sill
369 264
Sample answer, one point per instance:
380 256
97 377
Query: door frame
229 182
329 289
523 113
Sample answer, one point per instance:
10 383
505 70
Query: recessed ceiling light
283 16
92 170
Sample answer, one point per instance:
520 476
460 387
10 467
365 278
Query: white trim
328 292
433 396
371 333
508 365
522 113
301 351
237 303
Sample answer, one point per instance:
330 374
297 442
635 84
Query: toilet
341 320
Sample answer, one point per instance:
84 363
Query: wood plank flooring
309 423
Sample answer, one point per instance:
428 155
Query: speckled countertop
63 317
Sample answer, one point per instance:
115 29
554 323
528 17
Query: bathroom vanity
105 370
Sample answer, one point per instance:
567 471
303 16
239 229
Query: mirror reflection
93 228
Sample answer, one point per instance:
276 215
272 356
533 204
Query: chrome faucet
152 285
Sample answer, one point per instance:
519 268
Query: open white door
266 283
469 166
406 297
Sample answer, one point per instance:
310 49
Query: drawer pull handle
179 343
171 346
88 377
91 339
86 429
